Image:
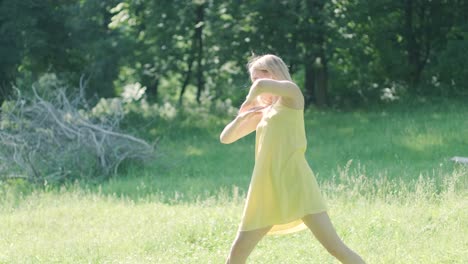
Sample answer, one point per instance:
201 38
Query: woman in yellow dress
283 195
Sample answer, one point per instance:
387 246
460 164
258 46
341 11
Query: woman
283 195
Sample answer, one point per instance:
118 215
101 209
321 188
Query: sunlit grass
386 221
400 144
393 194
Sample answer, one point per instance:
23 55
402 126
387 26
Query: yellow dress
283 188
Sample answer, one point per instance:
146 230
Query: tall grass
394 196
384 220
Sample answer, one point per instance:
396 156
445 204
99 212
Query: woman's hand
251 112
244 123
248 105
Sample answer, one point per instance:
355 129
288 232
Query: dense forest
339 51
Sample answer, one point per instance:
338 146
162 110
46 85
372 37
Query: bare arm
288 91
244 124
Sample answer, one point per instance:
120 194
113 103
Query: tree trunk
412 47
199 40
316 68
321 65
316 82
4 87
196 51
188 74
309 82
321 87
152 88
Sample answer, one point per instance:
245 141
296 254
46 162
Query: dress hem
290 230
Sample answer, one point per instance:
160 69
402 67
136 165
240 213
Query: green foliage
349 52
450 71
153 120
70 37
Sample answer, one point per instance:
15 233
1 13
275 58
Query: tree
313 33
342 49
67 37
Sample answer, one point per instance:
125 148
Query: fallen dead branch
54 138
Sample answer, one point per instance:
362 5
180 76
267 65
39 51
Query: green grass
394 196
396 143
77 226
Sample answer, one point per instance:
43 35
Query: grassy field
393 193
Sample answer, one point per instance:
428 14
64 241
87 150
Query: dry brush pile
53 136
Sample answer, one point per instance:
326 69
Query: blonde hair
272 64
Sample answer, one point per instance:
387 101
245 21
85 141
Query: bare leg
322 228
244 244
